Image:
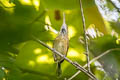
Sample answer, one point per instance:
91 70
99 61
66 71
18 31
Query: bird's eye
63 30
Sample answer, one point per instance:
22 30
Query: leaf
10 1
2 74
61 4
110 62
35 57
14 73
115 25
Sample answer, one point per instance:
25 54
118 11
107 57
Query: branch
102 54
94 59
75 64
118 9
85 36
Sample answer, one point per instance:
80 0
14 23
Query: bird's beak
64 26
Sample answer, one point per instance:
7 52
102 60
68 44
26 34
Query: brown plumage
61 44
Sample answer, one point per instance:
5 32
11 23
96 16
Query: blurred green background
21 58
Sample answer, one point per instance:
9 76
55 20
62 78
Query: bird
61 44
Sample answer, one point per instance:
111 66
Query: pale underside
61 45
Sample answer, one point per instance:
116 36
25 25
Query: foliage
21 58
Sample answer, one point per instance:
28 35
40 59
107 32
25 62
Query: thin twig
85 36
118 9
75 64
94 59
38 17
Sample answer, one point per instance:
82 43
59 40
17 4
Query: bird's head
64 29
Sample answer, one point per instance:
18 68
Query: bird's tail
59 71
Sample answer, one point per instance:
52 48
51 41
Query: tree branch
75 64
85 36
94 59
118 9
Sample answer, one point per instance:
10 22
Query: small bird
61 44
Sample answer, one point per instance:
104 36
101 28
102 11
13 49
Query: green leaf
61 4
2 74
14 73
110 62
